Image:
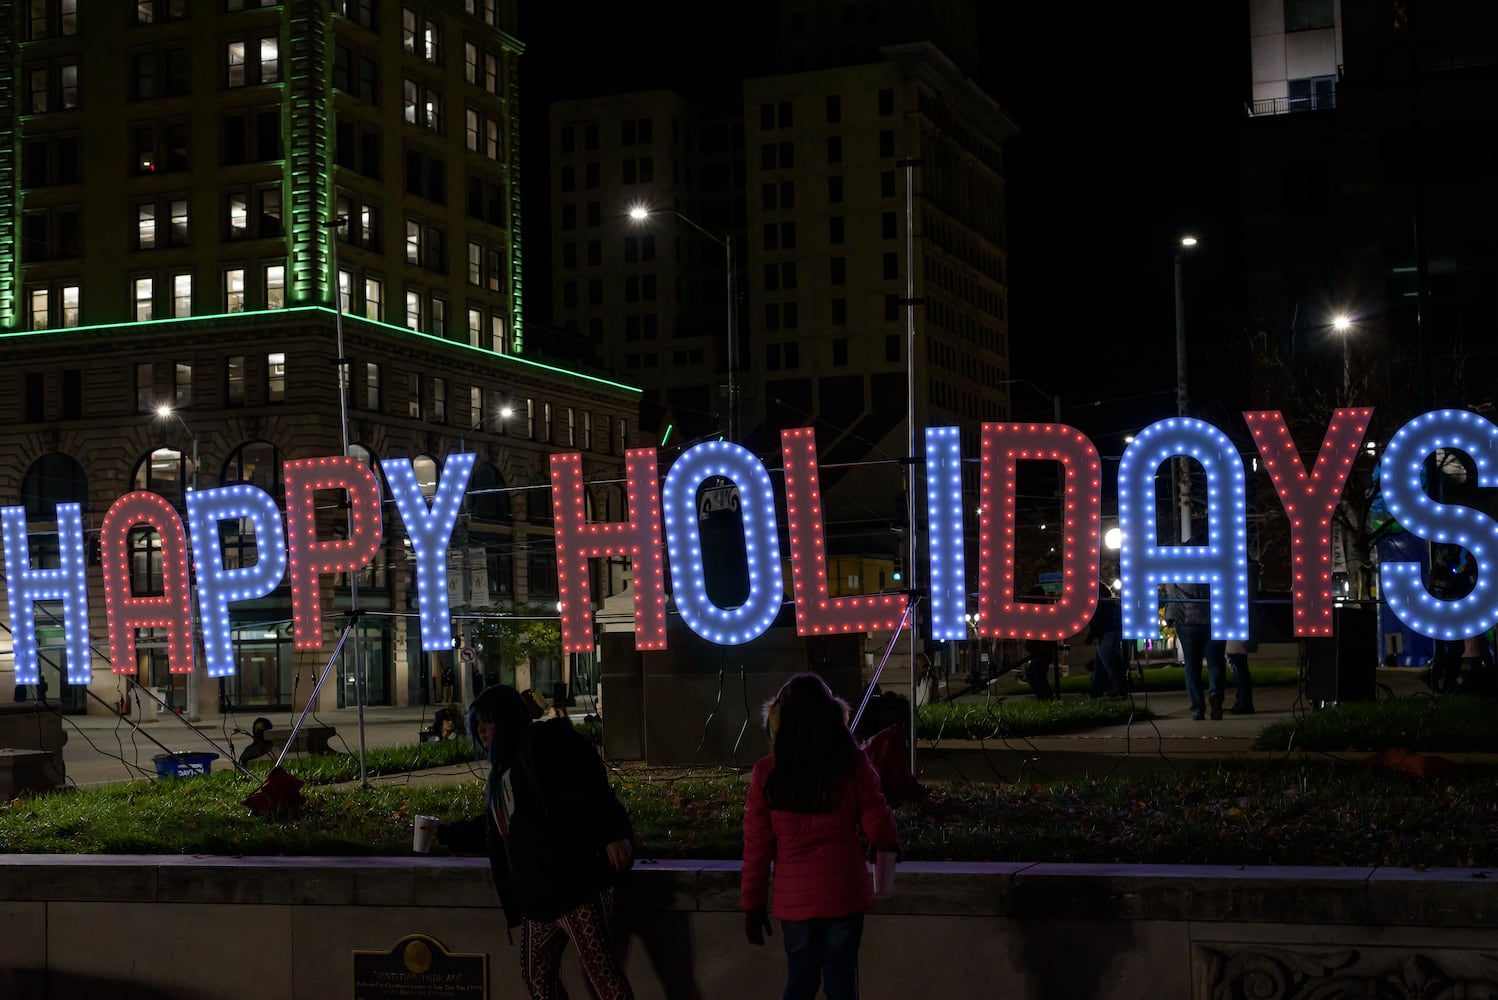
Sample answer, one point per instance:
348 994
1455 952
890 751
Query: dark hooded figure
557 840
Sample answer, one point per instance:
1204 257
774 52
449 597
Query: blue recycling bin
183 764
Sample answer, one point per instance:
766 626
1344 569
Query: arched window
166 471
259 464
488 502
538 501
52 479
426 475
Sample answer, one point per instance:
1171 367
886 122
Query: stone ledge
1204 894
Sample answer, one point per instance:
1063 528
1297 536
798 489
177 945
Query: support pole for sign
344 377
912 519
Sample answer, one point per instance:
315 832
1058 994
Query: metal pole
344 376
1182 475
1346 369
913 518
733 349
192 678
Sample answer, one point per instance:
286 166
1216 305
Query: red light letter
816 613
128 612
308 557
578 541
1309 501
1004 447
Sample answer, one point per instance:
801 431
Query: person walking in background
807 802
557 840
1042 654
1109 674
1191 614
1243 682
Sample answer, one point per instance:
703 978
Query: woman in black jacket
557 839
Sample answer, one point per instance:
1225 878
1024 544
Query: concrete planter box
183 928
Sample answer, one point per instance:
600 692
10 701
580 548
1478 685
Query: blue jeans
822 949
1196 644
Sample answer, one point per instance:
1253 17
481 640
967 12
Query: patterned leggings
542 941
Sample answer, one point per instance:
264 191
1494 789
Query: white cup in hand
424 834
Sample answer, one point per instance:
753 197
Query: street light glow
1341 323
163 410
507 412
639 213
1188 241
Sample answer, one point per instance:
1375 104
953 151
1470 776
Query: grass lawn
1300 810
1174 679
1014 717
1453 723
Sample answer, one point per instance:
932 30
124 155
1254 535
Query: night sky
1130 122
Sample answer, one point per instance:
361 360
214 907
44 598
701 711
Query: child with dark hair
807 802
557 839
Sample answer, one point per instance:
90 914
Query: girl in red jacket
806 803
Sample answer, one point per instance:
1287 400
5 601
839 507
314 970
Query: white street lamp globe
1113 539
1341 322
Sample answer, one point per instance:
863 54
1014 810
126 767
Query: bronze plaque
419 968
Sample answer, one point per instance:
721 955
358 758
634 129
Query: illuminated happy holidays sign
664 531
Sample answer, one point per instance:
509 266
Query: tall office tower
807 183
187 184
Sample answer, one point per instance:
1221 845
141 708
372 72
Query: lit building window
475 264
470 62
412 100
413 242
270 64
371 386
432 42
439 400
275 286
145 226
275 378
239 216
471 129
413 310
143 298
497 333
234 59
40 308
68 79
234 290
374 295
181 295
71 299
475 326
182 384
408 29
439 317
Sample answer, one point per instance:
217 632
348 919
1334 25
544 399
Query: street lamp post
639 214
1342 324
1182 474
163 411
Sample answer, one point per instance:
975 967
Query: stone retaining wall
186 928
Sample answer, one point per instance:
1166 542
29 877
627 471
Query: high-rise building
185 185
808 184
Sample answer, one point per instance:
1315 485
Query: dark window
834 149
595 214
785 114
887 101
72 394
840 314
891 307
835 188
892 347
767 115
886 183
36 397
838 268
787 155
886 142
1306 15
891 265
834 109
566 139
788 236
835 229
887 227
839 351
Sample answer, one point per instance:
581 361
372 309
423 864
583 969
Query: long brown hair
814 751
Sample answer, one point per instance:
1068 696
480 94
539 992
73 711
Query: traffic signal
899 568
